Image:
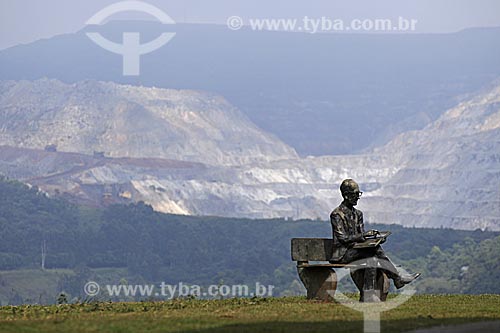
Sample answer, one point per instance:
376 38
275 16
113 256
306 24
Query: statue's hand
371 233
359 238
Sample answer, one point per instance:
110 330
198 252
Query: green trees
153 247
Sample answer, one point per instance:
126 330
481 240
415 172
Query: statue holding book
351 243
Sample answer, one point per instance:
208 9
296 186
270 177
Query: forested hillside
138 244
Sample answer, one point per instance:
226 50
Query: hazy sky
23 21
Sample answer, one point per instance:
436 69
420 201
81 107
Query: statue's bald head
350 192
349 186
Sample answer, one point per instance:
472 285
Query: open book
373 241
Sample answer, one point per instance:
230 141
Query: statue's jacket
347 225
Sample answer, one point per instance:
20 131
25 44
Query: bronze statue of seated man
348 238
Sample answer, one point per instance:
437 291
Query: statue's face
350 191
353 197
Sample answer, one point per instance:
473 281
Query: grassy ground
41 286
290 314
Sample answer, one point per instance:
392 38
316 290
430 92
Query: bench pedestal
320 282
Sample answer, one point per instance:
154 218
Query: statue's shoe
403 280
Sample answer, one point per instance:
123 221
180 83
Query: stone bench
320 279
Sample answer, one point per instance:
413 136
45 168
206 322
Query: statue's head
350 191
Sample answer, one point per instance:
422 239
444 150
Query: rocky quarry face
188 152
128 121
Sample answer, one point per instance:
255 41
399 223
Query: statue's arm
361 222
341 234
362 228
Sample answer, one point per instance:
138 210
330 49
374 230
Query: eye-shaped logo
131 49
371 311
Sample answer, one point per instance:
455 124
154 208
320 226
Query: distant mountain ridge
322 94
451 170
129 121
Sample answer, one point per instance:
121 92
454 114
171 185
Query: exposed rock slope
129 121
447 174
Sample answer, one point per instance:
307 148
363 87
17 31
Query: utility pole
44 253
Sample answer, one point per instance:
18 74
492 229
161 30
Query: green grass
289 314
41 286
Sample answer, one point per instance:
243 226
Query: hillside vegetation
136 244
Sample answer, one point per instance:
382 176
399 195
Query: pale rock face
129 121
447 174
